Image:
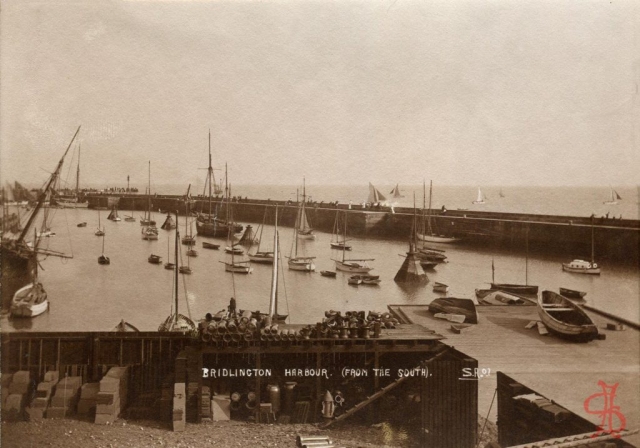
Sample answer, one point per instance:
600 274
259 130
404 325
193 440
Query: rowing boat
565 319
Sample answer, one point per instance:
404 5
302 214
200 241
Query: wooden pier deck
566 372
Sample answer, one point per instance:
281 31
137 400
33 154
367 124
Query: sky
340 92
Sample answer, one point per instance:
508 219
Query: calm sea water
86 296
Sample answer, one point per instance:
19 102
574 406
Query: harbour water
86 296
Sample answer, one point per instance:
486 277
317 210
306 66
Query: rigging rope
486 418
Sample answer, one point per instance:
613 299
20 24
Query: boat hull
356 268
572 294
301 265
437 238
580 270
565 319
515 288
24 306
215 228
340 246
237 268
261 257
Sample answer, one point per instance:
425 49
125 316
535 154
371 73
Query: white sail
396 192
374 195
481 197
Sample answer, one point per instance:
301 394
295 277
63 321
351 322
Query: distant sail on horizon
396 192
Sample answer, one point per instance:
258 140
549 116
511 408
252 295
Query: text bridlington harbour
307 372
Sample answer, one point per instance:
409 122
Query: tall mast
43 195
226 190
412 240
526 260
149 196
592 243
210 174
175 278
429 212
273 302
78 173
344 237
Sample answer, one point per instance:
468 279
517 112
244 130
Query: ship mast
273 302
78 173
45 191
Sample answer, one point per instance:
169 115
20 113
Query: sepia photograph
305 223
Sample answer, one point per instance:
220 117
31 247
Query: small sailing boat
273 316
82 224
298 263
429 233
169 223
481 197
355 265
150 233
304 230
168 265
129 218
261 256
176 321
103 259
336 243
154 259
113 216
614 197
396 192
99 232
514 287
147 219
239 267
582 266
189 239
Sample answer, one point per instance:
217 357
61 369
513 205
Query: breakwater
614 239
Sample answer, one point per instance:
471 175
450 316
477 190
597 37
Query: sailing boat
113 216
19 267
103 259
169 223
188 239
272 316
336 243
514 287
582 266
129 218
411 269
240 267
302 223
295 262
429 234
175 321
168 265
262 256
99 232
209 224
375 197
147 220
481 197
396 192
614 197
150 231
355 265
72 201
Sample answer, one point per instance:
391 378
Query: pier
617 239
